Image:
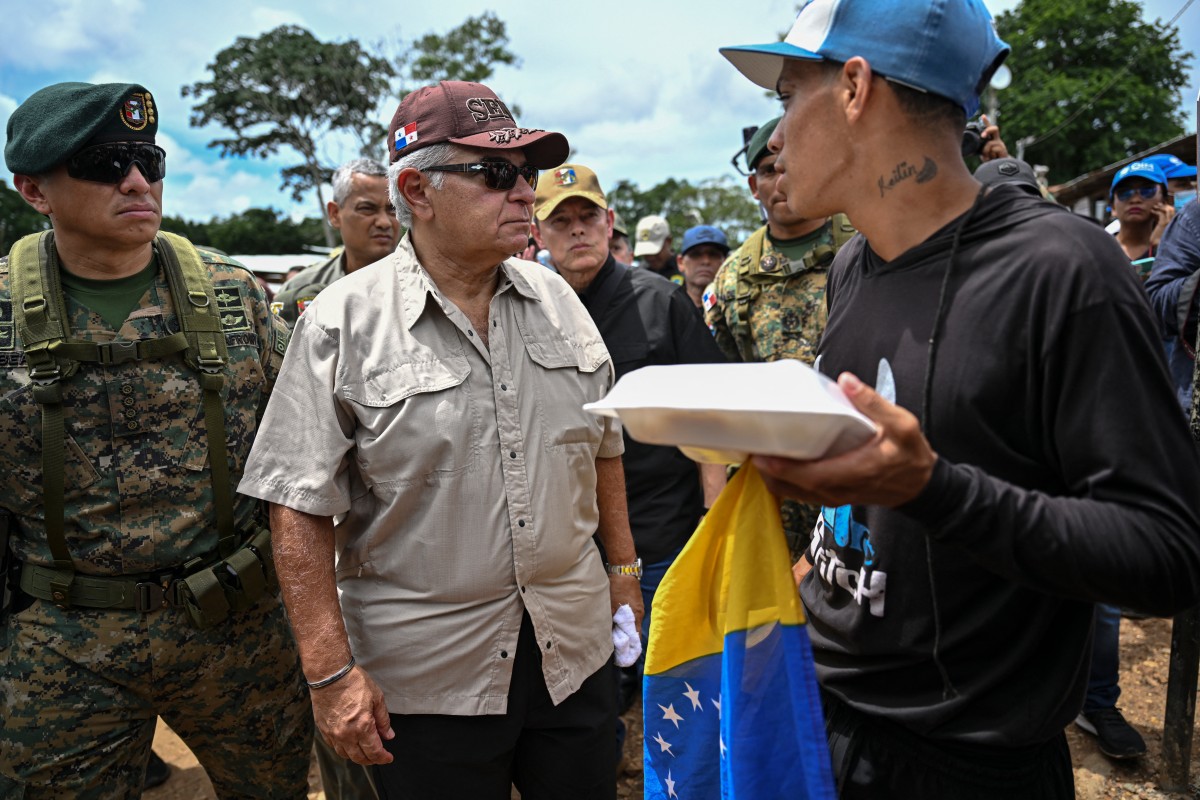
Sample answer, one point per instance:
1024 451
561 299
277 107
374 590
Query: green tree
258 231
469 52
723 202
288 90
17 218
1092 82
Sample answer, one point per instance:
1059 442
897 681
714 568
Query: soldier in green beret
133 369
767 301
361 211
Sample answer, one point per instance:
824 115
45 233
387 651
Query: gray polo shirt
462 478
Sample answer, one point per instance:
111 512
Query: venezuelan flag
730 699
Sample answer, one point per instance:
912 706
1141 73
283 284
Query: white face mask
1183 198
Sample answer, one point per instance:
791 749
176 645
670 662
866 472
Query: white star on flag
721 741
669 714
663 743
717 703
694 696
670 785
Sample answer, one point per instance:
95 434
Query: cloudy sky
637 85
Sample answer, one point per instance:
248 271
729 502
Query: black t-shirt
646 319
1065 476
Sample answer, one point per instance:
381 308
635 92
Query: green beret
60 120
757 149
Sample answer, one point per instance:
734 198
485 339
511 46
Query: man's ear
753 181
856 87
334 212
414 188
609 214
31 192
537 234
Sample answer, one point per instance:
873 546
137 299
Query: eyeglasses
110 163
499 175
1146 192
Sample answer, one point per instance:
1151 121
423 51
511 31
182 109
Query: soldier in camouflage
133 370
361 211
767 301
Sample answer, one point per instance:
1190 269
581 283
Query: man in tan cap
441 391
132 370
653 247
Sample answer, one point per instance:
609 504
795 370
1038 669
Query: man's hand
352 716
800 569
626 590
993 145
889 470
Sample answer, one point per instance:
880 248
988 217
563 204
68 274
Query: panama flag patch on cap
406 135
564 177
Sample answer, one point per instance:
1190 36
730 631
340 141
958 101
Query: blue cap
703 234
945 47
1139 169
1172 166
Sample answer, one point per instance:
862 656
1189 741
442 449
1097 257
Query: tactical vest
208 592
751 263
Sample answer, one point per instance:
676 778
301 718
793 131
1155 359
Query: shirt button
470 333
521 523
131 426
504 387
548 645
126 389
504 654
512 453
522 590
128 401
130 413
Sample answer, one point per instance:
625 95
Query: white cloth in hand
626 641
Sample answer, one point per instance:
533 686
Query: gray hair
432 156
343 175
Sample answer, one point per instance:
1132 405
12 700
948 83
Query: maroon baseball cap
468 114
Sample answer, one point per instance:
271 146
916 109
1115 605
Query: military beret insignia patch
230 309
137 111
276 307
564 177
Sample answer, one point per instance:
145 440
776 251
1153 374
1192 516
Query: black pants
874 759
549 752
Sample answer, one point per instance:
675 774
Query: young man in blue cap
133 369
1011 483
1181 177
704 248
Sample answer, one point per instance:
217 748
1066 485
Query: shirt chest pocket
569 374
417 422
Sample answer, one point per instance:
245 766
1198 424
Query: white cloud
267 19
45 34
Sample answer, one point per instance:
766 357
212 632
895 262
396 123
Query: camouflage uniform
764 305
81 687
295 295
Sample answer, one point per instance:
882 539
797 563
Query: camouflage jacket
295 295
138 494
773 307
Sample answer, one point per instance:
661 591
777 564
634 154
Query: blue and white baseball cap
945 47
1172 166
1139 169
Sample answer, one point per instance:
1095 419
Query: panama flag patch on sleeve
406 135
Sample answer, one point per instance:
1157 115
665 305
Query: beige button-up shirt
461 478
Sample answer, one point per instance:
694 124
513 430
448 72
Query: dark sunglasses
498 175
110 163
1147 192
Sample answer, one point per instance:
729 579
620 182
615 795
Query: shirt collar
417 288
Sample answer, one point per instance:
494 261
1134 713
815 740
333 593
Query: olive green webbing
39 312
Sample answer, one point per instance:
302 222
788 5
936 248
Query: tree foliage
260 231
287 91
1064 53
723 202
17 218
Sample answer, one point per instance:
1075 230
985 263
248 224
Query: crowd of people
371 518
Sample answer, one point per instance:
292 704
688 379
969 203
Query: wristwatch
634 569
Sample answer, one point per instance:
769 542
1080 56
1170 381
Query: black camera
973 141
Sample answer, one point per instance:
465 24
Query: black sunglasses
110 163
498 175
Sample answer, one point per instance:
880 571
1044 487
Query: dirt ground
1145 647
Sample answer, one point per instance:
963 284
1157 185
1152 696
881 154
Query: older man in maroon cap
447 461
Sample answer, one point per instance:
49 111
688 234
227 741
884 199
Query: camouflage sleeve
714 310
